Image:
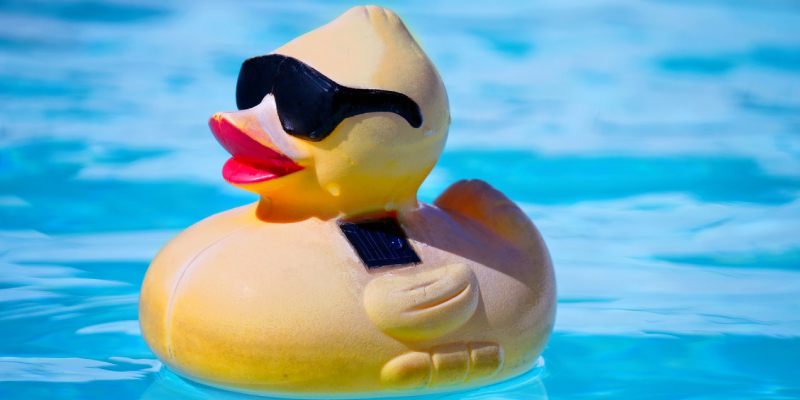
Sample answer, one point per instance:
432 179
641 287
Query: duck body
294 311
336 129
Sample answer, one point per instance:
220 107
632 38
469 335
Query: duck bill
255 158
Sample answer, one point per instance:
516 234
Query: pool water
656 144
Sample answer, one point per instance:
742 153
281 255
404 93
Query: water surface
656 144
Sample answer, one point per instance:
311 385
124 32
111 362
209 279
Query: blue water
656 144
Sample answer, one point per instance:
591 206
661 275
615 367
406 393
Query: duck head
343 121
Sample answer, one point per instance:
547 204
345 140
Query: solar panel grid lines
380 242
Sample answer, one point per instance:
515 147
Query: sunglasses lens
256 79
306 102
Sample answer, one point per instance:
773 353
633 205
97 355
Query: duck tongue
235 171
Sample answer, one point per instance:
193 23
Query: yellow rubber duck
338 282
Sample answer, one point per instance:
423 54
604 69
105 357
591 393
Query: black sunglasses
311 105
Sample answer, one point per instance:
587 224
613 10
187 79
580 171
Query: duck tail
480 201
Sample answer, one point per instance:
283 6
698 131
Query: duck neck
282 210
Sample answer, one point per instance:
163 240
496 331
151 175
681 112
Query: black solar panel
380 242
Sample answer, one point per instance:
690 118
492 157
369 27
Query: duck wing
421 305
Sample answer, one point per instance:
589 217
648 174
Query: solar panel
380 242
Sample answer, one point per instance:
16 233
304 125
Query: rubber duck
338 282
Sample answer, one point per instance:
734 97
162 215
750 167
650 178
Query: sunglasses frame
311 105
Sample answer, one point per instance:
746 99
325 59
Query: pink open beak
252 160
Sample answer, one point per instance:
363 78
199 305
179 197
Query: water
655 143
